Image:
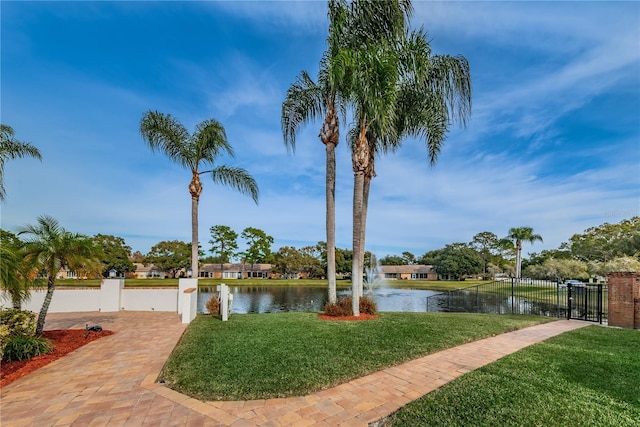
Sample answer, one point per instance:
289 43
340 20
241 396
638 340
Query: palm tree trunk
518 258
194 236
360 158
331 221
51 285
368 176
358 251
363 223
195 189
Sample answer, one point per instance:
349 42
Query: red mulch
361 317
64 341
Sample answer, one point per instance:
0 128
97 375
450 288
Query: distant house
237 271
66 273
407 272
149 271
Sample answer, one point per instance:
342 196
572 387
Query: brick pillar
624 299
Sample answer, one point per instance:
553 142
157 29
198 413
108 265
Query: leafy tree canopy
170 256
115 254
560 269
458 259
258 245
288 261
606 241
224 242
392 260
311 262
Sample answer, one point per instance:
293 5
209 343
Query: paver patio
111 381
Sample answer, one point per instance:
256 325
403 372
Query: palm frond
236 178
11 148
209 141
303 103
451 77
162 132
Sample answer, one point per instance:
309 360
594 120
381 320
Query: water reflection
276 299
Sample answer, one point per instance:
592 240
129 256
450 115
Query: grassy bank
586 377
290 354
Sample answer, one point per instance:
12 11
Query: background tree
311 262
137 256
538 258
343 260
408 258
171 256
606 241
288 262
485 243
558 269
392 260
619 264
11 148
224 243
429 258
50 248
458 259
519 235
115 254
258 245
204 147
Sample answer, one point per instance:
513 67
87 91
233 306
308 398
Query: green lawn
587 377
255 356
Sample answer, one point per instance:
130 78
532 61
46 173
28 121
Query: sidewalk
111 381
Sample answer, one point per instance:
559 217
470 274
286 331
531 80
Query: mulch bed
64 341
361 317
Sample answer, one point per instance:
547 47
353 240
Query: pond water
276 299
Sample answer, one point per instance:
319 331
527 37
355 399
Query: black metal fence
587 302
526 296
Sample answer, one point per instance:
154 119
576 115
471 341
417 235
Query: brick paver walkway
111 381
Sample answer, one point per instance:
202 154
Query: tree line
593 253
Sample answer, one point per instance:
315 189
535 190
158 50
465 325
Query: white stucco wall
150 299
111 296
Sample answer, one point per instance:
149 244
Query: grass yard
257 356
587 377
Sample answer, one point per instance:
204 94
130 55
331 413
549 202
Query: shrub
337 309
343 307
15 323
368 306
213 305
19 322
25 347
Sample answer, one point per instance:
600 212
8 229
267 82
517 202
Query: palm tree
370 29
50 248
519 235
15 279
307 101
399 89
10 149
209 141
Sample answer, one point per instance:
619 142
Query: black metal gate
586 302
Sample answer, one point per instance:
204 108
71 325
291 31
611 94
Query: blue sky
553 142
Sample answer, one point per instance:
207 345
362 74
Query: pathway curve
111 381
